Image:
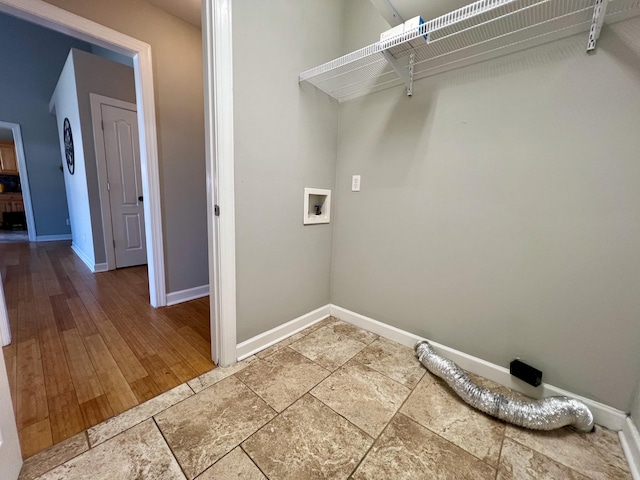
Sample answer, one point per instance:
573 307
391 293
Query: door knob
140 198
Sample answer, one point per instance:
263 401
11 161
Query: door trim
219 154
59 20
96 102
24 177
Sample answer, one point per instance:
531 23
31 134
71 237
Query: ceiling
189 10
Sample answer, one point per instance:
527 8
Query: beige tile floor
331 402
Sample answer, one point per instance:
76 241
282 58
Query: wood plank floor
89 346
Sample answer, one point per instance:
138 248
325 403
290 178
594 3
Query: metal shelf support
599 12
406 74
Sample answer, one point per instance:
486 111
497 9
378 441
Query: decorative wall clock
68 146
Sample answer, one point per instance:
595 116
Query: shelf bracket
406 75
599 12
388 12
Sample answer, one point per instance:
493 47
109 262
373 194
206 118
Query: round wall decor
68 146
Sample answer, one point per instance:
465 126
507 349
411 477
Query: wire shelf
480 31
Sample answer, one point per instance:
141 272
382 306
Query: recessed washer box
317 206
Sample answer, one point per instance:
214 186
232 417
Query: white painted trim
188 294
219 153
84 257
59 20
53 238
5 327
96 101
10 457
281 332
630 440
24 177
94 267
603 414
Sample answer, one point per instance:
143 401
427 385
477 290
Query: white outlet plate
355 183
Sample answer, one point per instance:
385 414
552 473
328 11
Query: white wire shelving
480 31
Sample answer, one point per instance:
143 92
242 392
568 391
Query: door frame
59 20
96 102
24 177
10 456
217 43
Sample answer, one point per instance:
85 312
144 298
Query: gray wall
499 210
177 67
98 75
111 55
285 141
31 59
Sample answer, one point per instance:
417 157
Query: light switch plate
355 183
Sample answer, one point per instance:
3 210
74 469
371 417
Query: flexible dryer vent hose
545 414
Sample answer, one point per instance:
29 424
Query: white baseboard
101 267
188 294
630 440
604 415
83 256
275 335
53 238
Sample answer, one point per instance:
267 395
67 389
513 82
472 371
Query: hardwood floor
89 346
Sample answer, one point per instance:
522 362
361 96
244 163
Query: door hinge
114 244
216 210
108 187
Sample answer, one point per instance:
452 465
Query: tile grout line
383 373
251 459
91 446
298 333
164 439
454 444
141 421
66 461
349 421
375 440
265 401
504 435
553 459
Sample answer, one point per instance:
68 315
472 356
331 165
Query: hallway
89 346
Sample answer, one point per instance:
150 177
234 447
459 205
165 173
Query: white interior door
10 456
121 143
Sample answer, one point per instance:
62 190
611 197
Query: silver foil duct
544 414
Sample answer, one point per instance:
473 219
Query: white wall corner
84 257
189 294
100 267
5 327
604 415
630 440
281 332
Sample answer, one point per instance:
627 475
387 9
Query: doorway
56 19
21 188
61 21
116 140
